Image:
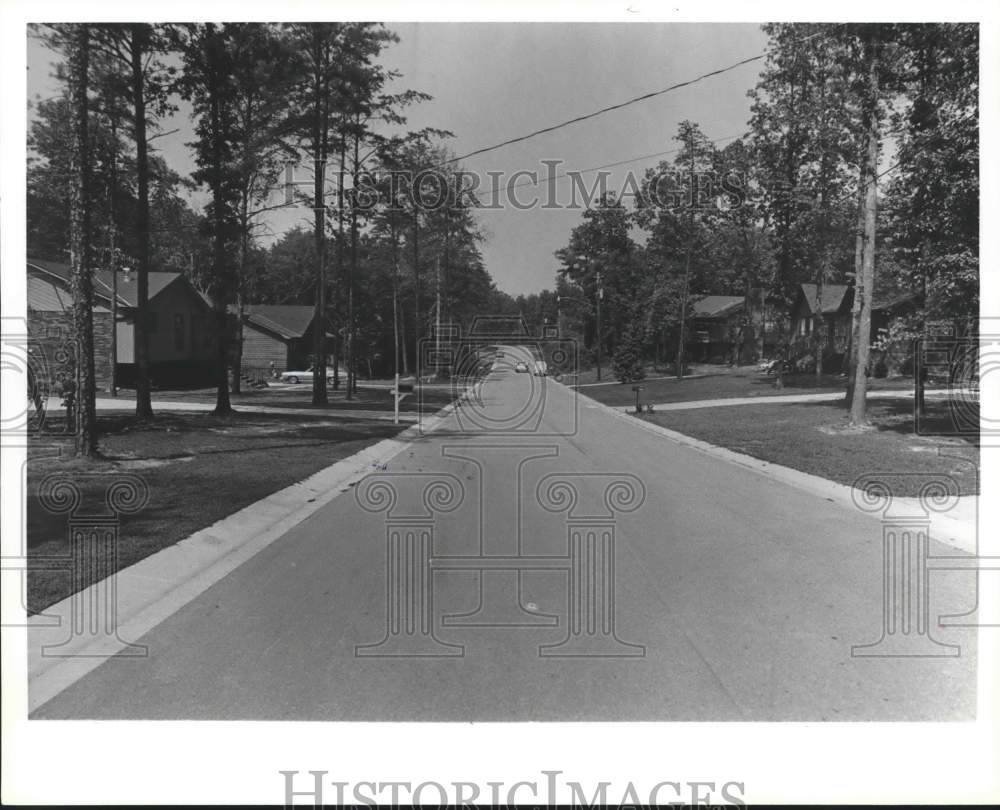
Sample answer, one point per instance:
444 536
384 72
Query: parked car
295 377
521 367
773 366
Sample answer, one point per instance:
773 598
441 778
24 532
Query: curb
156 587
951 532
774 399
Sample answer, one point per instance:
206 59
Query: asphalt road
734 597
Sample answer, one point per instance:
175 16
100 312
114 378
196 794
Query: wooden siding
261 348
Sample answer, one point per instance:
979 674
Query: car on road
540 368
521 367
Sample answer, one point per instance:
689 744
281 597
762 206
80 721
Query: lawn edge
949 531
155 587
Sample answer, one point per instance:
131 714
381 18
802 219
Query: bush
627 360
833 362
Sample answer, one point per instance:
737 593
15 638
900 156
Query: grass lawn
722 382
199 468
587 376
813 437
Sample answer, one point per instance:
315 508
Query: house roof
46 294
716 306
831 297
58 275
286 320
128 285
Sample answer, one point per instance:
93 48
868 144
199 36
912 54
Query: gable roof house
833 310
715 324
281 334
835 307
181 338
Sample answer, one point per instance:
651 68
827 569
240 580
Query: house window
179 332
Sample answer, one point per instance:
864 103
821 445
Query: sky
495 81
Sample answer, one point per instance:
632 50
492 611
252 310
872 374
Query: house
50 330
715 327
835 308
831 311
281 334
181 334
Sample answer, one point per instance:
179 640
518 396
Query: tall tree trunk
80 246
417 325
679 364
241 296
241 281
395 288
852 344
338 340
859 402
137 53
352 271
818 325
319 139
220 269
402 341
113 256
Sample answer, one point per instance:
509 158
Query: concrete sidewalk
779 399
54 409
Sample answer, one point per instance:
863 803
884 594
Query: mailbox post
637 389
399 391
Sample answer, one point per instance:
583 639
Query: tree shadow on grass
944 419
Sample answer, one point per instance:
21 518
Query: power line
621 105
561 175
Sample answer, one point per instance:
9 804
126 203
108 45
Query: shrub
627 360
